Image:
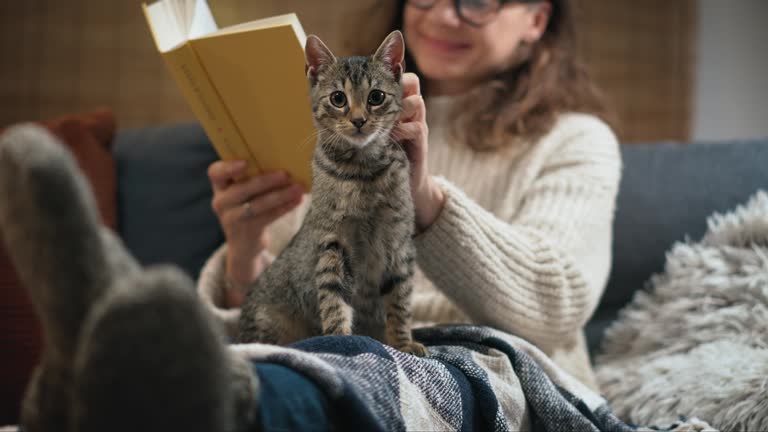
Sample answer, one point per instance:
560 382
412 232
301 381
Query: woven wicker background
642 55
63 56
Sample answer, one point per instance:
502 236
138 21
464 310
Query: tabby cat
350 267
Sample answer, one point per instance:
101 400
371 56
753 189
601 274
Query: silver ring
248 209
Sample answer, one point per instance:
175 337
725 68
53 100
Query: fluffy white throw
696 343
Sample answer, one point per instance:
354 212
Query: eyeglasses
476 13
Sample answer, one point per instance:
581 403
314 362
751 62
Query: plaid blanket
475 379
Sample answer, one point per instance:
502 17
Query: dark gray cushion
667 192
164 197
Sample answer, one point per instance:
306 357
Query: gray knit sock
51 229
73 269
151 359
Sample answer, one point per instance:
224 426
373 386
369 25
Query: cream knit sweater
523 243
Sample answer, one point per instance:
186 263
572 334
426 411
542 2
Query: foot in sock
69 262
151 359
49 222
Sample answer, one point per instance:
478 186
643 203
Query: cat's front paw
415 348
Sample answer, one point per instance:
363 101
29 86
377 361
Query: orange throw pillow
89 137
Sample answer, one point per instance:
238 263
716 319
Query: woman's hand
245 208
412 132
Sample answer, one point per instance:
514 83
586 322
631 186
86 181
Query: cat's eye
338 99
376 97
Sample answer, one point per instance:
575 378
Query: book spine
206 104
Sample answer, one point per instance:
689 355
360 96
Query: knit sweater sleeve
539 274
213 282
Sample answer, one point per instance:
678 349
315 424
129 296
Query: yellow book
245 83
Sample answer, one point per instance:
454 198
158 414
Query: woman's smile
443 46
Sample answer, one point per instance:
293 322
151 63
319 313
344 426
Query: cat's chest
373 218
368 199
352 200
377 234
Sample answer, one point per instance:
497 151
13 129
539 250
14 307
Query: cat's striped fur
350 267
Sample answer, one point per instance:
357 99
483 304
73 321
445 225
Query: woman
514 178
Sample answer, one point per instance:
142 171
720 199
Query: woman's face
453 55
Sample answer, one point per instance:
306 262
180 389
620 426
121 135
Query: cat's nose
358 122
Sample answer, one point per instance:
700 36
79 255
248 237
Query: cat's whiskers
334 139
382 128
313 137
308 139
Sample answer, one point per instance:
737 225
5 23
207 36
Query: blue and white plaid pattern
475 379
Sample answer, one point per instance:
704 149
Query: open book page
271 22
173 22
164 26
202 22
178 11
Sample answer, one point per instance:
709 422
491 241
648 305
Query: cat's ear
392 53
317 55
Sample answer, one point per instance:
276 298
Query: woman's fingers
414 109
411 84
413 136
263 209
275 213
264 204
223 173
238 193
411 131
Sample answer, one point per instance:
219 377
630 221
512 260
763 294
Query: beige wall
731 91
59 56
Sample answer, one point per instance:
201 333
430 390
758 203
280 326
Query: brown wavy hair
524 101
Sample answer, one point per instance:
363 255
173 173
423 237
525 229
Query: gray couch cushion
164 197
667 192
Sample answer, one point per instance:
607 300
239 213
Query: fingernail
238 164
279 176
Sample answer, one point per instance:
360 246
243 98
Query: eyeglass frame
457 9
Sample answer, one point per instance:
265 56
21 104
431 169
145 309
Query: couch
666 193
151 185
